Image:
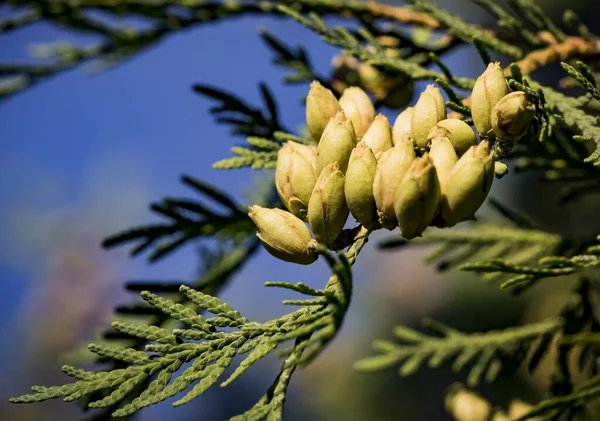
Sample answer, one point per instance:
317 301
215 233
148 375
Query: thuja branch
210 350
485 351
165 17
570 48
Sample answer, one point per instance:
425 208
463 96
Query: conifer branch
485 351
466 32
210 332
571 47
166 17
556 405
186 221
480 242
211 351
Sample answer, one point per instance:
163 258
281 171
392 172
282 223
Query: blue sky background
82 156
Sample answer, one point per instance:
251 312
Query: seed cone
295 177
512 115
327 209
283 235
359 186
429 109
468 406
391 168
336 144
321 106
417 198
379 135
402 125
309 152
358 107
489 88
443 156
457 131
468 184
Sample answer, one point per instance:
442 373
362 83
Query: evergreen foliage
159 361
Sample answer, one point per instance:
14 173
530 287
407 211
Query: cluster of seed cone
425 170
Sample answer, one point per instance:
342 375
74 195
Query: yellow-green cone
468 184
283 235
489 88
443 156
512 115
359 186
402 125
379 135
500 169
358 107
429 109
327 209
336 144
460 134
417 198
294 177
321 106
465 405
309 152
391 168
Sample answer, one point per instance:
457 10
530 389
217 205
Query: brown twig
572 47
402 14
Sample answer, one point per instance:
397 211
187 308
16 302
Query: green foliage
487 352
295 60
514 240
584 75
259 153
465 31
210 350
186 341
554 407
549 266
186 220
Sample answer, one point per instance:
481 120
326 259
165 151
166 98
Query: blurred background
82 156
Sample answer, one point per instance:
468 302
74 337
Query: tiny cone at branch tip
359 186
402 125
336 144
519 408
460 134
379 135
417 198
429 109
358 107
489 88
283 235
295 177
512 116
464 405
443 156
468 184
321 106
327 209
391 168
500 169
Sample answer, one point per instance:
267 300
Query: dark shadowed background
82 155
